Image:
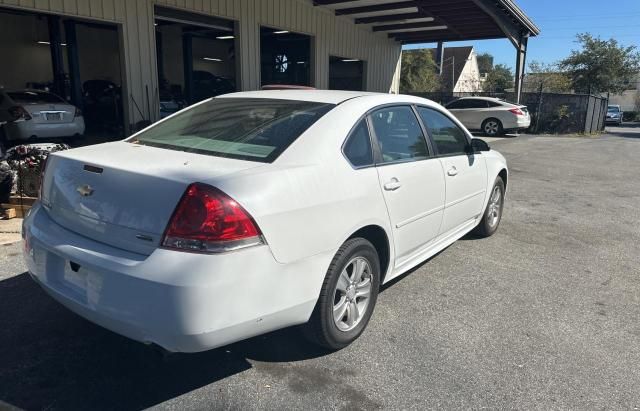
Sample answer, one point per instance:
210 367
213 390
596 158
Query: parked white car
40 114
490 115
614 114
255 211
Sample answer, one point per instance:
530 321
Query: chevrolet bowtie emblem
85 190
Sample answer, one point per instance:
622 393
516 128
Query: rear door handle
452 171
392 184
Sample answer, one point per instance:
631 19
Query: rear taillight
517 111
43 169
207 220
78 113
19 113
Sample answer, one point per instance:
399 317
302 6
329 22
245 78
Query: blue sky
560 21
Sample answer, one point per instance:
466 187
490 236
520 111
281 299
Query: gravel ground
543 315
10 231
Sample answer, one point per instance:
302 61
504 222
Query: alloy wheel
352 294
495 206
491 128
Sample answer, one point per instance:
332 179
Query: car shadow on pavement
51 358
626 130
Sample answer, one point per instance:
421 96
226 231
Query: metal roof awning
425 21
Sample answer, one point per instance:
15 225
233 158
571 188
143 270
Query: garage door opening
346 74
285 57
196 58
66 73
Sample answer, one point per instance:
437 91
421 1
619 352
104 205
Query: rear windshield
242 128
614 109
34 97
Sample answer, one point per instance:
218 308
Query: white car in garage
490 115
255 211
38 114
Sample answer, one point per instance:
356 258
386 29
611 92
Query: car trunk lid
50 113
124 194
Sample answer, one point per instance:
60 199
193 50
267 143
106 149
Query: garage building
129 62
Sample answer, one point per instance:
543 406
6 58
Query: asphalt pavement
543 315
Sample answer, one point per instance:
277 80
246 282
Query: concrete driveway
543 315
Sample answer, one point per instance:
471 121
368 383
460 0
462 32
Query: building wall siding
332 35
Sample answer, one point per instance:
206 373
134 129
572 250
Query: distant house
460 72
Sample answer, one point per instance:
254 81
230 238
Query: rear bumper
518 123
180 301
23 130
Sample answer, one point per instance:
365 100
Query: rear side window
34 97
357 149
399 134
494 104
472 103
242 128
447 136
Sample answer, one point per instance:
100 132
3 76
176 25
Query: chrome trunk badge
85 190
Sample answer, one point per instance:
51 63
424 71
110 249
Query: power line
592 27
573 37
579 16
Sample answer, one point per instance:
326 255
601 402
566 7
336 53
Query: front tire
492 127
493 213
348 296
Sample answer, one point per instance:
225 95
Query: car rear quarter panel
495 164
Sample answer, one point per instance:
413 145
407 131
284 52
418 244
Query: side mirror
478 145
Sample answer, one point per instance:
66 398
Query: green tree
418 73
601 65
549 77
498 79
485 62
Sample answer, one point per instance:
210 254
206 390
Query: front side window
448 138
254 129
458 104
399 134
358 146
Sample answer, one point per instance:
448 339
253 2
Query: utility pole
453 73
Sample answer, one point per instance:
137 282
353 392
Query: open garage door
64 74
285 57
346 74
196 58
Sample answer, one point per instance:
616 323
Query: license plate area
53 116
75 276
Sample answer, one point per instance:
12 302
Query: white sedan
39 114
255 211
490 115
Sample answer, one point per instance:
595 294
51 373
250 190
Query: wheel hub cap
351 293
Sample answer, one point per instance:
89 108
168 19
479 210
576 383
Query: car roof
318 96
482 98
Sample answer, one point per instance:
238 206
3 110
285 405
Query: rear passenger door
411 179
465 172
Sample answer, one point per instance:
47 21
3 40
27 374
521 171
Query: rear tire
493 213
492 127
347 297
